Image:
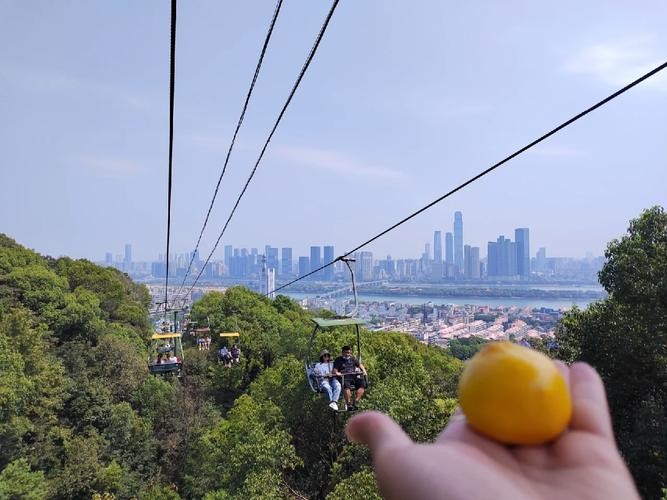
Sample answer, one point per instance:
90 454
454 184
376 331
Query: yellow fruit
514 395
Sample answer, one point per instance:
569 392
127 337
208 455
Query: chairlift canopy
160 336
333 322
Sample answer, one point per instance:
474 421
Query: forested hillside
80 416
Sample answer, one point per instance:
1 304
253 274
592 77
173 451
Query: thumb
377 431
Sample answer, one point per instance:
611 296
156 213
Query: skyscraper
508 258
437 255
328 257
458 241
471 259
108 258
228 257
286 261
502 258
426 259
272 257
128 254
541 260
364 266
492 259
304 266
437 246
449 248
522 239
315 260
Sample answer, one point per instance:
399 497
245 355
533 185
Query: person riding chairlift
225 356
235 353
351 373
328 383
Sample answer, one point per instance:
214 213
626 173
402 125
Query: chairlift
321 324
202 336
166 355
234 355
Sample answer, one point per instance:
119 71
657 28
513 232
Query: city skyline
505 260
381 125
318 255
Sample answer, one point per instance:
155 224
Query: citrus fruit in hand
514 395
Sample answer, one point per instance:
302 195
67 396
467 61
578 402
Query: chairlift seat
165 368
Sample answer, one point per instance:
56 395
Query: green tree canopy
625 338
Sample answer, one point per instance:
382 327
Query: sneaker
345 407
333 406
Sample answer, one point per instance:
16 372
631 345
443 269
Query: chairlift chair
163 345
228 335
325 323
311 358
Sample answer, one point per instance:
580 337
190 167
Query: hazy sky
403 101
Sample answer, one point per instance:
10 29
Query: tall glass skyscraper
449 248
304 266
128 254
437 255
437 246
286 261
328 257
458 241
522 239
315 261
471 257
228 257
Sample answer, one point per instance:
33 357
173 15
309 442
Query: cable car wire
172 78
485 172
309 59
231 145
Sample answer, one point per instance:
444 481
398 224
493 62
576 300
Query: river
480 301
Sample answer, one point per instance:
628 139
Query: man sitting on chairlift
235 353
326 380
352 373
224 356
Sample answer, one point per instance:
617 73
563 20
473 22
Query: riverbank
533 303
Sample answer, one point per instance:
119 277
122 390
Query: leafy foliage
80 417
18 481
466 348
625 338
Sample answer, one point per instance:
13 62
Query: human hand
583 462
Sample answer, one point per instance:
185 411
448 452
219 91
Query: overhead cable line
231 145
172 74
313 50
483 173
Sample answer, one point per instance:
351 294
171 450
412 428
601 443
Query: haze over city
399 105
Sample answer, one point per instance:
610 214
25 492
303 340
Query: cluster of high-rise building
451 260
505 259
244 263
122 262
